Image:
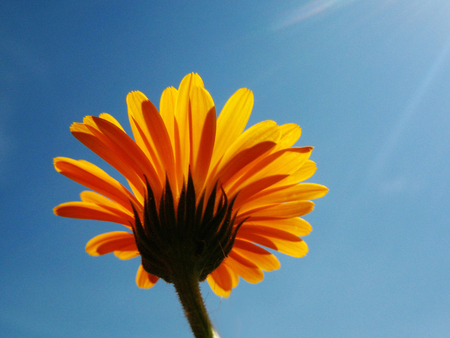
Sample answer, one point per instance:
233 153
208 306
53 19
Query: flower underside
199 235
204 191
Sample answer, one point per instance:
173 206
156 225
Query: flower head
203 192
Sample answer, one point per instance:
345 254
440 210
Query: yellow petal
244 268
232 120
127 252
302 191
167 111
283 162
220 281
284 210
238 163
296 226
262 132
109 242
301 174
259 256
134 104
290 133
203 134
183 118
145 280
248 192
275 239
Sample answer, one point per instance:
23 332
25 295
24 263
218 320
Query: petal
220 281
232 121
183 118
284 210
129 152
261 132
257 255
84 210
290 133
302 191
283 162
153 135
275 239
203 134
109 242
248 192
159 140
96 179
105 203
296 226
244 268
134 104
145 280
238 163
95 141
301 174
167 111
111 119
127 252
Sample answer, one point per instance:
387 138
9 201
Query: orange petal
84 210
159 140
145 280
151 130
105 203
96 179
97 142
109 242
129 152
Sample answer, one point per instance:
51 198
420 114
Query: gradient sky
368 82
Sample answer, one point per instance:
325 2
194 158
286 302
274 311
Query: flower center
194 235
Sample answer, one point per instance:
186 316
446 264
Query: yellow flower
202 188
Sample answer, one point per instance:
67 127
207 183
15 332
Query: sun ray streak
309 10
396 134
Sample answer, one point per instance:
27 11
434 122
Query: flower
202 190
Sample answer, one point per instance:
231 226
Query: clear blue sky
368 82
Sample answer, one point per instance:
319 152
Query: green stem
188 290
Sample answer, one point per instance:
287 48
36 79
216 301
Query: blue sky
367 81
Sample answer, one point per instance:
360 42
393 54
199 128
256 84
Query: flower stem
187 286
